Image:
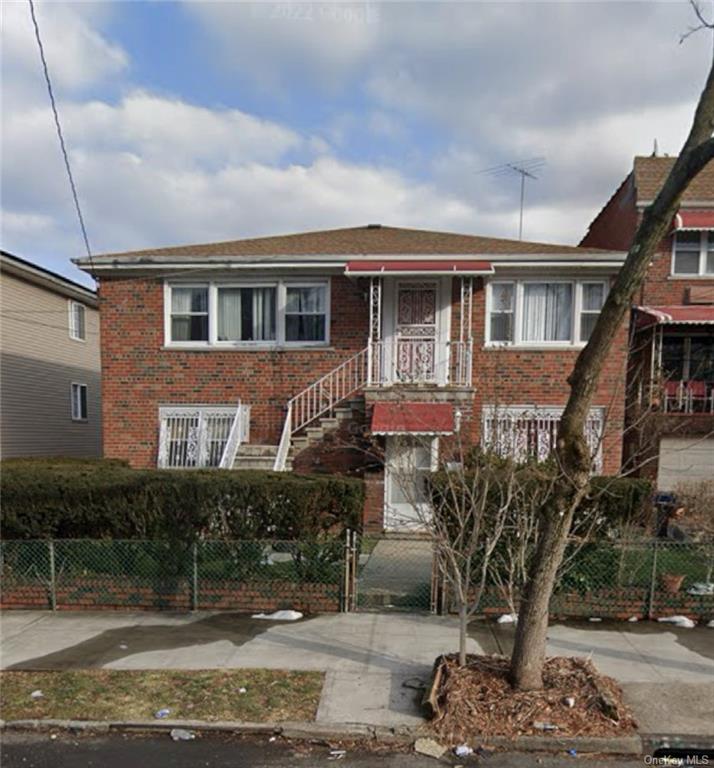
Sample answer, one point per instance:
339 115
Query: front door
416 332
408 461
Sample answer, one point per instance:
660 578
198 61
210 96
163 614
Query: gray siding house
50 371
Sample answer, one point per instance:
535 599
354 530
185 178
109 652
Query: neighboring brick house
49 367
670 412
345 332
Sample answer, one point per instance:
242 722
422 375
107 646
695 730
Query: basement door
408 460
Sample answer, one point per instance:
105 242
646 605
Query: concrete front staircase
251 456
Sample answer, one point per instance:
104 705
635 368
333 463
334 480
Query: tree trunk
463 629
572 451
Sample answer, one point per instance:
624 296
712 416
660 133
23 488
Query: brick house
287 352
670 409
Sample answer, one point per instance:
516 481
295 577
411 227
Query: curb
654 741
618 745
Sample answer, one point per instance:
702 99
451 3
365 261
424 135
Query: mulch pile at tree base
477 701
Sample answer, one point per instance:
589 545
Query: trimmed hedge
53 498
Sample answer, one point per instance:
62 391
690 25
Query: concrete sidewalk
667 673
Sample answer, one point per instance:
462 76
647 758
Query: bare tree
572 453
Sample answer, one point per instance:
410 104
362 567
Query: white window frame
73 330
76 415
575 342
549 413
703 250
281 284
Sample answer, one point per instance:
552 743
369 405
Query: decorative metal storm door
416 332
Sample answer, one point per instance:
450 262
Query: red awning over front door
375 268
413 418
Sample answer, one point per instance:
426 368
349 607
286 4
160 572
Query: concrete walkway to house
667 673
397 573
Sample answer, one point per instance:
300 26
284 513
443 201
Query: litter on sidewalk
429 747
180 734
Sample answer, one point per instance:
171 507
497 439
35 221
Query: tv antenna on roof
525 169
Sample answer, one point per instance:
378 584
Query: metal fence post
53 580
194 576
346 581
653 580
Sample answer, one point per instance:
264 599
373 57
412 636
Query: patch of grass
102 694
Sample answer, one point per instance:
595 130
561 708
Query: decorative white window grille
77 321
194 437
524 432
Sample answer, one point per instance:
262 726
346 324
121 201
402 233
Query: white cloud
434 91
77 53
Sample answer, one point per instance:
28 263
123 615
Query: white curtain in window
229 314
305 300
263 314
547 311
185 300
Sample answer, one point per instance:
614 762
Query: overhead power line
58 126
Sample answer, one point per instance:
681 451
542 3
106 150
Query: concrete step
264 463
329 422
251 449
315 433
300 443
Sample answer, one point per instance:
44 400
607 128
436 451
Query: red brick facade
615 227
139 374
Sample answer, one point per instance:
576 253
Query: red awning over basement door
413 418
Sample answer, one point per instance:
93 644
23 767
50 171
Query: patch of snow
680 621
507 618
594 618
279 616
633 619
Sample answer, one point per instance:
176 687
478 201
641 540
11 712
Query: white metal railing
192 437
420 361
239 433
320 398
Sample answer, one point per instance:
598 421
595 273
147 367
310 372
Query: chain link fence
393 572
608 579
619 579
231 575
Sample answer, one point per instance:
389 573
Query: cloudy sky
199 121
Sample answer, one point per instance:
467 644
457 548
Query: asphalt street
31 750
